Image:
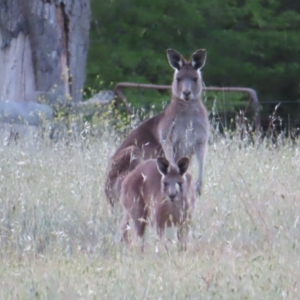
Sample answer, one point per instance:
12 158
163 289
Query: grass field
59 239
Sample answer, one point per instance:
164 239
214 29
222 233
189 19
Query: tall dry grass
59 239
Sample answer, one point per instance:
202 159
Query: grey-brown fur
160 192
181 130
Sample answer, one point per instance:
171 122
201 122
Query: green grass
59 238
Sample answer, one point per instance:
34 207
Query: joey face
173 181
173 187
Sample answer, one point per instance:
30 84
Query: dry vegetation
59 240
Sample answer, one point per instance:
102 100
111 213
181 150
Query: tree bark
43 49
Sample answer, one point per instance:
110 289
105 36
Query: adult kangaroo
161 193
181 130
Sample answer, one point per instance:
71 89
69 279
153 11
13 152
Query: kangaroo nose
186 94
172 197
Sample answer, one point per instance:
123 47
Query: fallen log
25 113
35 114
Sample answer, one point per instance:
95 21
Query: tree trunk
43 49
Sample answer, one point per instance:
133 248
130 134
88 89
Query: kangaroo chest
187 130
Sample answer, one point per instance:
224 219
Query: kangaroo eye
178 79
178 187
195 79
165 184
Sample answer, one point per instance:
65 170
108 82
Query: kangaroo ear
162 165
198 59
183 165
175 59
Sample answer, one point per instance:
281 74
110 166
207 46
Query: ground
59 236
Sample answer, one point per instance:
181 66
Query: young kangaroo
159 191
181 130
